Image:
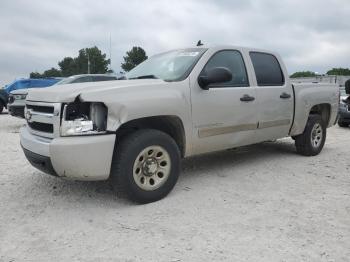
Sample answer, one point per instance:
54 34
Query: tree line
92 60
334 71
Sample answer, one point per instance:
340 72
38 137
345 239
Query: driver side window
233 61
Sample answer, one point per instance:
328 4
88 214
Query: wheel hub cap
316 135
151 168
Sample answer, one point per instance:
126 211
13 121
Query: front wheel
311 141
1 107
145 166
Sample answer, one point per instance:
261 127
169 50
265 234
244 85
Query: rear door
225 115
275 96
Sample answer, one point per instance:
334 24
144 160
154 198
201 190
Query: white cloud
35 35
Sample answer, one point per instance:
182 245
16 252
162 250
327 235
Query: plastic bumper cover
77 158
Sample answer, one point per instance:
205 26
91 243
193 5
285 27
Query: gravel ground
256 203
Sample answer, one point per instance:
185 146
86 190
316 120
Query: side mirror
347 87
214 76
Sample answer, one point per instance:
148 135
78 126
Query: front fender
170 99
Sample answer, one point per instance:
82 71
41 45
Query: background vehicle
17 98
3 99
173 105
23 84
344 106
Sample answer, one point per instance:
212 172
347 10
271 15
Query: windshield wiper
145 77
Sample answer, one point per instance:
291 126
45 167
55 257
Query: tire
311 142
342 124
135 168
1 107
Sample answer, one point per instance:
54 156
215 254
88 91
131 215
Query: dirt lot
257 203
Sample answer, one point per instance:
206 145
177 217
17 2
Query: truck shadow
193 169
234 158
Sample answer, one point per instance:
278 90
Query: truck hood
68 93
20 92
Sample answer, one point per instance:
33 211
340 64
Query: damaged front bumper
76 158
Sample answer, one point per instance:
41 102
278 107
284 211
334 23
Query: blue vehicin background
24 84
30 83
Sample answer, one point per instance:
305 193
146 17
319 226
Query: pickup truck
17 98
23 84
344 107
174 105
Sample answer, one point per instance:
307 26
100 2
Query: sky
34 35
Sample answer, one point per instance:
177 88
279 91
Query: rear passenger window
82 79
232 60
267 69
103 78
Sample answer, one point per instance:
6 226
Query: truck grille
43 119
43 109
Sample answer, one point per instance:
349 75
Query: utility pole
110 51
88 57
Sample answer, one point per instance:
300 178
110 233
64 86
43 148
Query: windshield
170 66
67 80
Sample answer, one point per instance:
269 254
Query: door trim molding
214 131
274 123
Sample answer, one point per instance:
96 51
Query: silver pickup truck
176 104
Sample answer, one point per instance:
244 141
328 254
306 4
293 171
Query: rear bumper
17 111
76 158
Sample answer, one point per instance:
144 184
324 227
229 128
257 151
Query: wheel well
324 110
171 125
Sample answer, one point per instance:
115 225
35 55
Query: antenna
88 57
199 43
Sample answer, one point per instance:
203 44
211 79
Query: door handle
247 98
285 95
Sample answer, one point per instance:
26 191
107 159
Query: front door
225 115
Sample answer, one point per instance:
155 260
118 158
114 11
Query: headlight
19 97
84 119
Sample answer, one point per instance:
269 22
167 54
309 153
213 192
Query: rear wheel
1 107
311 141
342 124
145 166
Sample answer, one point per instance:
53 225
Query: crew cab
174 105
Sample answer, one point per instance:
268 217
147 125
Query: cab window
233 61
267 69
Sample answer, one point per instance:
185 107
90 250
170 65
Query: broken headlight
20 97
83 118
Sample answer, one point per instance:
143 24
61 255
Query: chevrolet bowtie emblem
28 115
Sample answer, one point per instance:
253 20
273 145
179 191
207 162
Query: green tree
98 62
133 57
79 65
339 71
53 72
35 75
68 67
303 74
